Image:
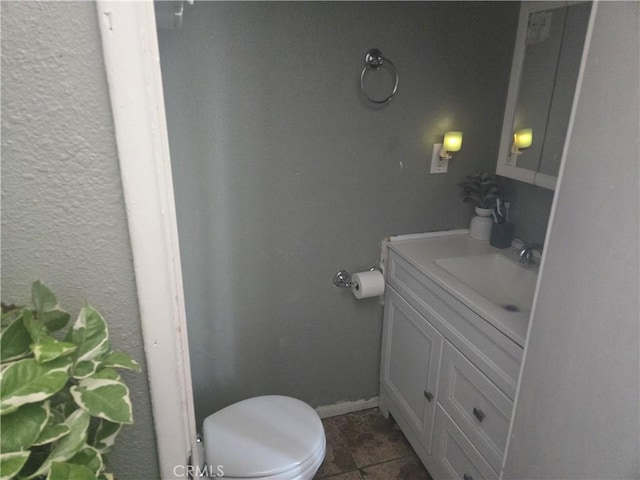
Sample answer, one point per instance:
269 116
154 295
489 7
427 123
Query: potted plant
481 189
62 400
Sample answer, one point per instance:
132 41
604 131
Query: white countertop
422 251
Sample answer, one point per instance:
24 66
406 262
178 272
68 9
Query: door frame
132 63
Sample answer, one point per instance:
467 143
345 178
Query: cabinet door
411 349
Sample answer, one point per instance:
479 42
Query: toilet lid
262 436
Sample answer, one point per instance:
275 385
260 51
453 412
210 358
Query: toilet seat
268 438
295 474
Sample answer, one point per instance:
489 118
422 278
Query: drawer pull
428 396
479 414
467 477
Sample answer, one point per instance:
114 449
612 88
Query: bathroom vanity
455 320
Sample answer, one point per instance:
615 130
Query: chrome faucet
526 254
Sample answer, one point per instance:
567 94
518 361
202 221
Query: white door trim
132 63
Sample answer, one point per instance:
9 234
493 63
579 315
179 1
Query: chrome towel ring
374 60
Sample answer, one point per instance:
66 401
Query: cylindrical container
480 227
501 235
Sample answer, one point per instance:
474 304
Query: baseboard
346 407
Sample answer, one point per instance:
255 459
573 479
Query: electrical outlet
438 165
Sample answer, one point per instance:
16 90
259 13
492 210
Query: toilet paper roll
367 284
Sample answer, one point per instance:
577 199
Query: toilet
264 438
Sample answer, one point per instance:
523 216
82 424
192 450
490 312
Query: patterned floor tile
338 458
406 468
355 475
374 439
366 446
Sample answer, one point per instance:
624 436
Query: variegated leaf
54 429
47 308
85 368
104 435
69 471
14 340
21 429
43 299
44 347
26 381
104 398
90 458
48 348
107 374
89 334
70 444
121 360
11 463
34 326
55 319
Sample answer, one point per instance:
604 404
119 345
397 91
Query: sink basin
502 280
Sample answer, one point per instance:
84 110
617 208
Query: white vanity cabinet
448 376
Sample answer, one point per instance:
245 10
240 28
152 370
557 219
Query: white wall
577 415
63 213
285 175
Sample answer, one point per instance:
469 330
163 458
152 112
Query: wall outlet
438 165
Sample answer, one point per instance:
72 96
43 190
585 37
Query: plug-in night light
522 139
452 143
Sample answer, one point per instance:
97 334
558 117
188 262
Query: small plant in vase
481 189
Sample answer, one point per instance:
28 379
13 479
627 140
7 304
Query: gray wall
284 175
577 415
63 214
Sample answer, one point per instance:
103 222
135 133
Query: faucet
526 254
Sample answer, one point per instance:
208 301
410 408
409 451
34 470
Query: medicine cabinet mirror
544 73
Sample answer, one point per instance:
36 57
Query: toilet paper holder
342 279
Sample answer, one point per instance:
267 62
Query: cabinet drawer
494 353
454 455
477 406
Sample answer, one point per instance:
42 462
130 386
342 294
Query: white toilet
265 438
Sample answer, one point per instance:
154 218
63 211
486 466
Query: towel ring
374 60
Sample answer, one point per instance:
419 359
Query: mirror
544 73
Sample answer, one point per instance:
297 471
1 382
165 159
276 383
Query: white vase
480 227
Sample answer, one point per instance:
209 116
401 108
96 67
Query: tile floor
366 446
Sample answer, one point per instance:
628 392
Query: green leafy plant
481 189
62 401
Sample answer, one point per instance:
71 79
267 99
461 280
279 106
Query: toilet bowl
265 438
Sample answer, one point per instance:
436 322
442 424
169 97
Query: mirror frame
504 166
